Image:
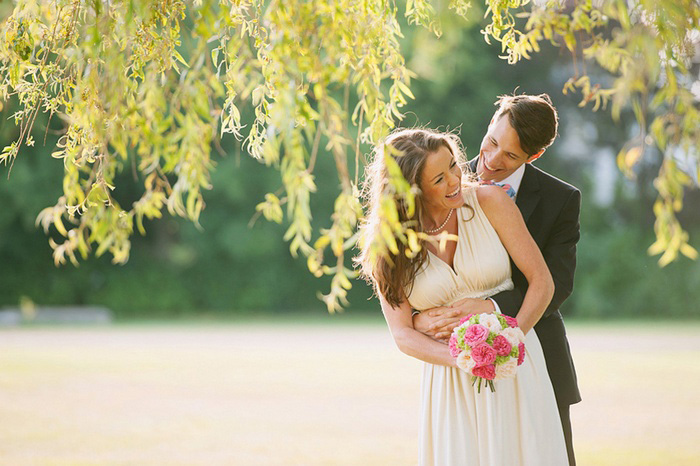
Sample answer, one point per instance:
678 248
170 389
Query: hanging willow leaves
152 86
650 49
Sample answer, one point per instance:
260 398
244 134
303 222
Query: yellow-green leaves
460 7
422 12
628 158
647 47
271 208
671 239
153 85
113 72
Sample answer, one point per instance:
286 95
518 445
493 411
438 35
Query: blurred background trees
236 262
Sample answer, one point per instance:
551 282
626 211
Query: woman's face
441 181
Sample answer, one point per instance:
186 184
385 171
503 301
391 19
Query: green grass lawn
307 392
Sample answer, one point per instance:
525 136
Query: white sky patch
695 89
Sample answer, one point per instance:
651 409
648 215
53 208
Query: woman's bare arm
510 226
409 340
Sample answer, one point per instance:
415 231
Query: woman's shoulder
483 199
491 197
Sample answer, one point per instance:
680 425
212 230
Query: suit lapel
472 164
528 194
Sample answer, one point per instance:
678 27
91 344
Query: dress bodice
481 263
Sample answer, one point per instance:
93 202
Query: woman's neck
436 217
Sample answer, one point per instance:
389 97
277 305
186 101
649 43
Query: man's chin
485 176
494 176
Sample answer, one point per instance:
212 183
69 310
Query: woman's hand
439 322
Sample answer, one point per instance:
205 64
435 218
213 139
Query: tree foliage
152 86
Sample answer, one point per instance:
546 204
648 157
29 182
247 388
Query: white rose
491 322
465 361
507 370
514 335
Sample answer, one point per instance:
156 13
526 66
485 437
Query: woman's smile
455 193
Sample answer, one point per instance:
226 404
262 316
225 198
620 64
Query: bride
518 424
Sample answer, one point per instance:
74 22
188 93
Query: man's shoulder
551 182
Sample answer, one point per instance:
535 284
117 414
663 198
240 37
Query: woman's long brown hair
392 274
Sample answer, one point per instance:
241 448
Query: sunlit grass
307 392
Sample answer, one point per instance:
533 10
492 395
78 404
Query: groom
519 132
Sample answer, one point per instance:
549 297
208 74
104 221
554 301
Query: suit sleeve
560 251
560 255
509 302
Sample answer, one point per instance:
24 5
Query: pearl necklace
441 226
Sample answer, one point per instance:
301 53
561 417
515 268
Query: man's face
500 153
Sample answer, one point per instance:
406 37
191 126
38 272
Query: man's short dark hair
533 117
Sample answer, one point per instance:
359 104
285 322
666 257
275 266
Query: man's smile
489 168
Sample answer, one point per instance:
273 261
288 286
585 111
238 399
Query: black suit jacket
550 208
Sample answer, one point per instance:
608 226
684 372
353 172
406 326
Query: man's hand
439 322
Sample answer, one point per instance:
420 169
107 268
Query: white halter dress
519 423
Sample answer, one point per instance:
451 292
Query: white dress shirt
515 179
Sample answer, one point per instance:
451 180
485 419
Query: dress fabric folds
519 423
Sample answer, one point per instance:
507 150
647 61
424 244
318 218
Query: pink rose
502 345
521 353
454 349
475 335
485 372
465 319
483 354
512 321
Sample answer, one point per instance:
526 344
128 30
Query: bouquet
488 346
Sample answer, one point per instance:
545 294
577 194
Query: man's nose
496 158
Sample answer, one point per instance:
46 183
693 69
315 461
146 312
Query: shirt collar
515 178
